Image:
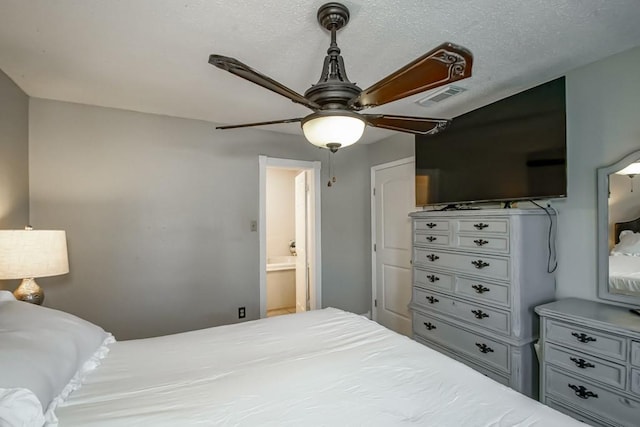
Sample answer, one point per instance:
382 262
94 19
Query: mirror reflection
624 230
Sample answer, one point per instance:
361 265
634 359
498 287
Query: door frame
315 296
374 169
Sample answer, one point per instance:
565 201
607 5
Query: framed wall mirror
619 231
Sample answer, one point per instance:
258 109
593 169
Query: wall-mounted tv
512 149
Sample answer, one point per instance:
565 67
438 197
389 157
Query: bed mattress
624 274
320 368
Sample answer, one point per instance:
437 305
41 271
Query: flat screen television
513 149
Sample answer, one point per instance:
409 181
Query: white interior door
393 200
301 241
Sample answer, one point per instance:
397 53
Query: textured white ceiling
151 55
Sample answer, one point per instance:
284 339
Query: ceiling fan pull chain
332 177
329 184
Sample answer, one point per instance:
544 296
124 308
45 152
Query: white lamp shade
32 253
333 129
632 169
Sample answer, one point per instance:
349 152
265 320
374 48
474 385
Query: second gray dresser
477 276
591 361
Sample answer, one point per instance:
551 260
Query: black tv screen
513 149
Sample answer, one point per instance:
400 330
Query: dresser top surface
480 212
604 315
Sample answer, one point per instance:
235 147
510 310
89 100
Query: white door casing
393 198
314 253
301 240
311 236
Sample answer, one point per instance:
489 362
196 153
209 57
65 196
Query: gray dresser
477 276
591 361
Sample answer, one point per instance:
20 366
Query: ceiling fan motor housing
333 90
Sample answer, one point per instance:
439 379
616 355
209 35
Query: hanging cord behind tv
552 259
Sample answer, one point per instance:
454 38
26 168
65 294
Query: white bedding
320 368
624 274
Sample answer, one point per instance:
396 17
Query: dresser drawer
607 372
433 280
588 340
483 291
431 239
479 348
477 264
481 226
635 353
591 398
432 225
500 378
488 318
483 243
635 381
573 414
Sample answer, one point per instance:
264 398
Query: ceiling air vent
440 95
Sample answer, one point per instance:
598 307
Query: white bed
320 368
624 274
624 259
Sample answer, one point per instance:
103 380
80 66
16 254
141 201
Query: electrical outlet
254 225
242 312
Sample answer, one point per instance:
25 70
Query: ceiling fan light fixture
333 130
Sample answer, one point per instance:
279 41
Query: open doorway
290 270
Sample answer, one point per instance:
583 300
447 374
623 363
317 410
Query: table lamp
27 254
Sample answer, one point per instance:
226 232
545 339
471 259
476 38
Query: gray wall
396 147
14 155
157 212
14 159
602 127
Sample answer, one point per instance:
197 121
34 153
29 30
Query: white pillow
6 296
20 408
629 244
47 351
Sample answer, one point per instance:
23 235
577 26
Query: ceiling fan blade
236 67
444 64
273 122
416 125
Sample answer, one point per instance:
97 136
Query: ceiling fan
335 101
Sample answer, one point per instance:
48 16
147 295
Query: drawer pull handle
432 300
432 257
582 392
480 289
431 225
583 337
433 278
480 226
429 326
581 363
480 264
480 242
432 238
479 314
484 348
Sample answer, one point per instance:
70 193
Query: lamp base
29 291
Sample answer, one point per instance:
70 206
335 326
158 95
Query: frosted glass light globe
321 129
